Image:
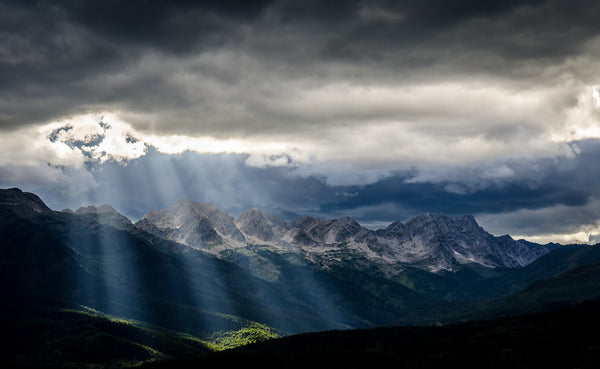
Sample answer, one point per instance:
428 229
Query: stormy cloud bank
374 109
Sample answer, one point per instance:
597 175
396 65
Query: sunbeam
184 177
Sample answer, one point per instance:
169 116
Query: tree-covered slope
566 338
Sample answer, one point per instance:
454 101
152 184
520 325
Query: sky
377 110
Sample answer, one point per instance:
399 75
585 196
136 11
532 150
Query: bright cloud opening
582 237
583 120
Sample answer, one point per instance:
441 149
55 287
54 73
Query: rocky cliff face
444 243
193 224
431 241
261 225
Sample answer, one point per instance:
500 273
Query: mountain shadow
564 338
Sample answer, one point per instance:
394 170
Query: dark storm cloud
558 195
56 57
251 59
176 26
429 35
384 109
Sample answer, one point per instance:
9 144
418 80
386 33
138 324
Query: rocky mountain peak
428 223
259 223
395 228
348 224
257 216
305 221
254 214
182 206
102 209
194 224
347 221
467 223
106 214
343 229
468 218
432 241
191 208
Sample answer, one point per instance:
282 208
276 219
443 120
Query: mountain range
194 269
431 242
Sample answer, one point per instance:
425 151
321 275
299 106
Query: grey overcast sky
378 110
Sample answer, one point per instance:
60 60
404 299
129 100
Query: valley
216 282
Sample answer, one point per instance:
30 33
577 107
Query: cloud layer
385 108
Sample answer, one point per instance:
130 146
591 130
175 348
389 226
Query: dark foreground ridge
565 338
89 289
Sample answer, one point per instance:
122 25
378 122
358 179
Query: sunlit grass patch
248 332
244 336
